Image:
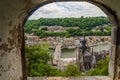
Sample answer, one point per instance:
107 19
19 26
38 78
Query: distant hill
82 23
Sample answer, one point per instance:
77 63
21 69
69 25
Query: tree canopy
83 22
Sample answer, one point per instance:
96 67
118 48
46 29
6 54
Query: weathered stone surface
112 60
13 14
71 78
114 35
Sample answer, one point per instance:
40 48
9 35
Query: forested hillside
82 23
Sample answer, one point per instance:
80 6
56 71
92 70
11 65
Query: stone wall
71 78
14 13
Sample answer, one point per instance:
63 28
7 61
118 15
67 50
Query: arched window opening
68 39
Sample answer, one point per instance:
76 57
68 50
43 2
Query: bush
72 70
38 61
101 68
104 71
94 72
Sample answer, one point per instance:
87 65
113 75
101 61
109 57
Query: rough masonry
13 15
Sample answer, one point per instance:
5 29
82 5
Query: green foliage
53 34
31 24
39 64
71 32
38 59
45 70
104 71
41 33
44 28
38 53
85 26
74 32
93 72
87 22
72 70
101 69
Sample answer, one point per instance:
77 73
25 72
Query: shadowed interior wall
13 14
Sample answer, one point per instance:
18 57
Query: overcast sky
67 9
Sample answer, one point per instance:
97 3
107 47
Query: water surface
71 53
68 53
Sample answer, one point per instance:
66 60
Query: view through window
67 39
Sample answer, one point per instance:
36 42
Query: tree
83 22
44 28
38 58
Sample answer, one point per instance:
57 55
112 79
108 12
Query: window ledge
71 78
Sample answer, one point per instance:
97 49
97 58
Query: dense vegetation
83 22
74 32
39 64
38 61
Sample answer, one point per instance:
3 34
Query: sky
67 9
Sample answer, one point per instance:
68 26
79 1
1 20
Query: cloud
67 9
70 6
